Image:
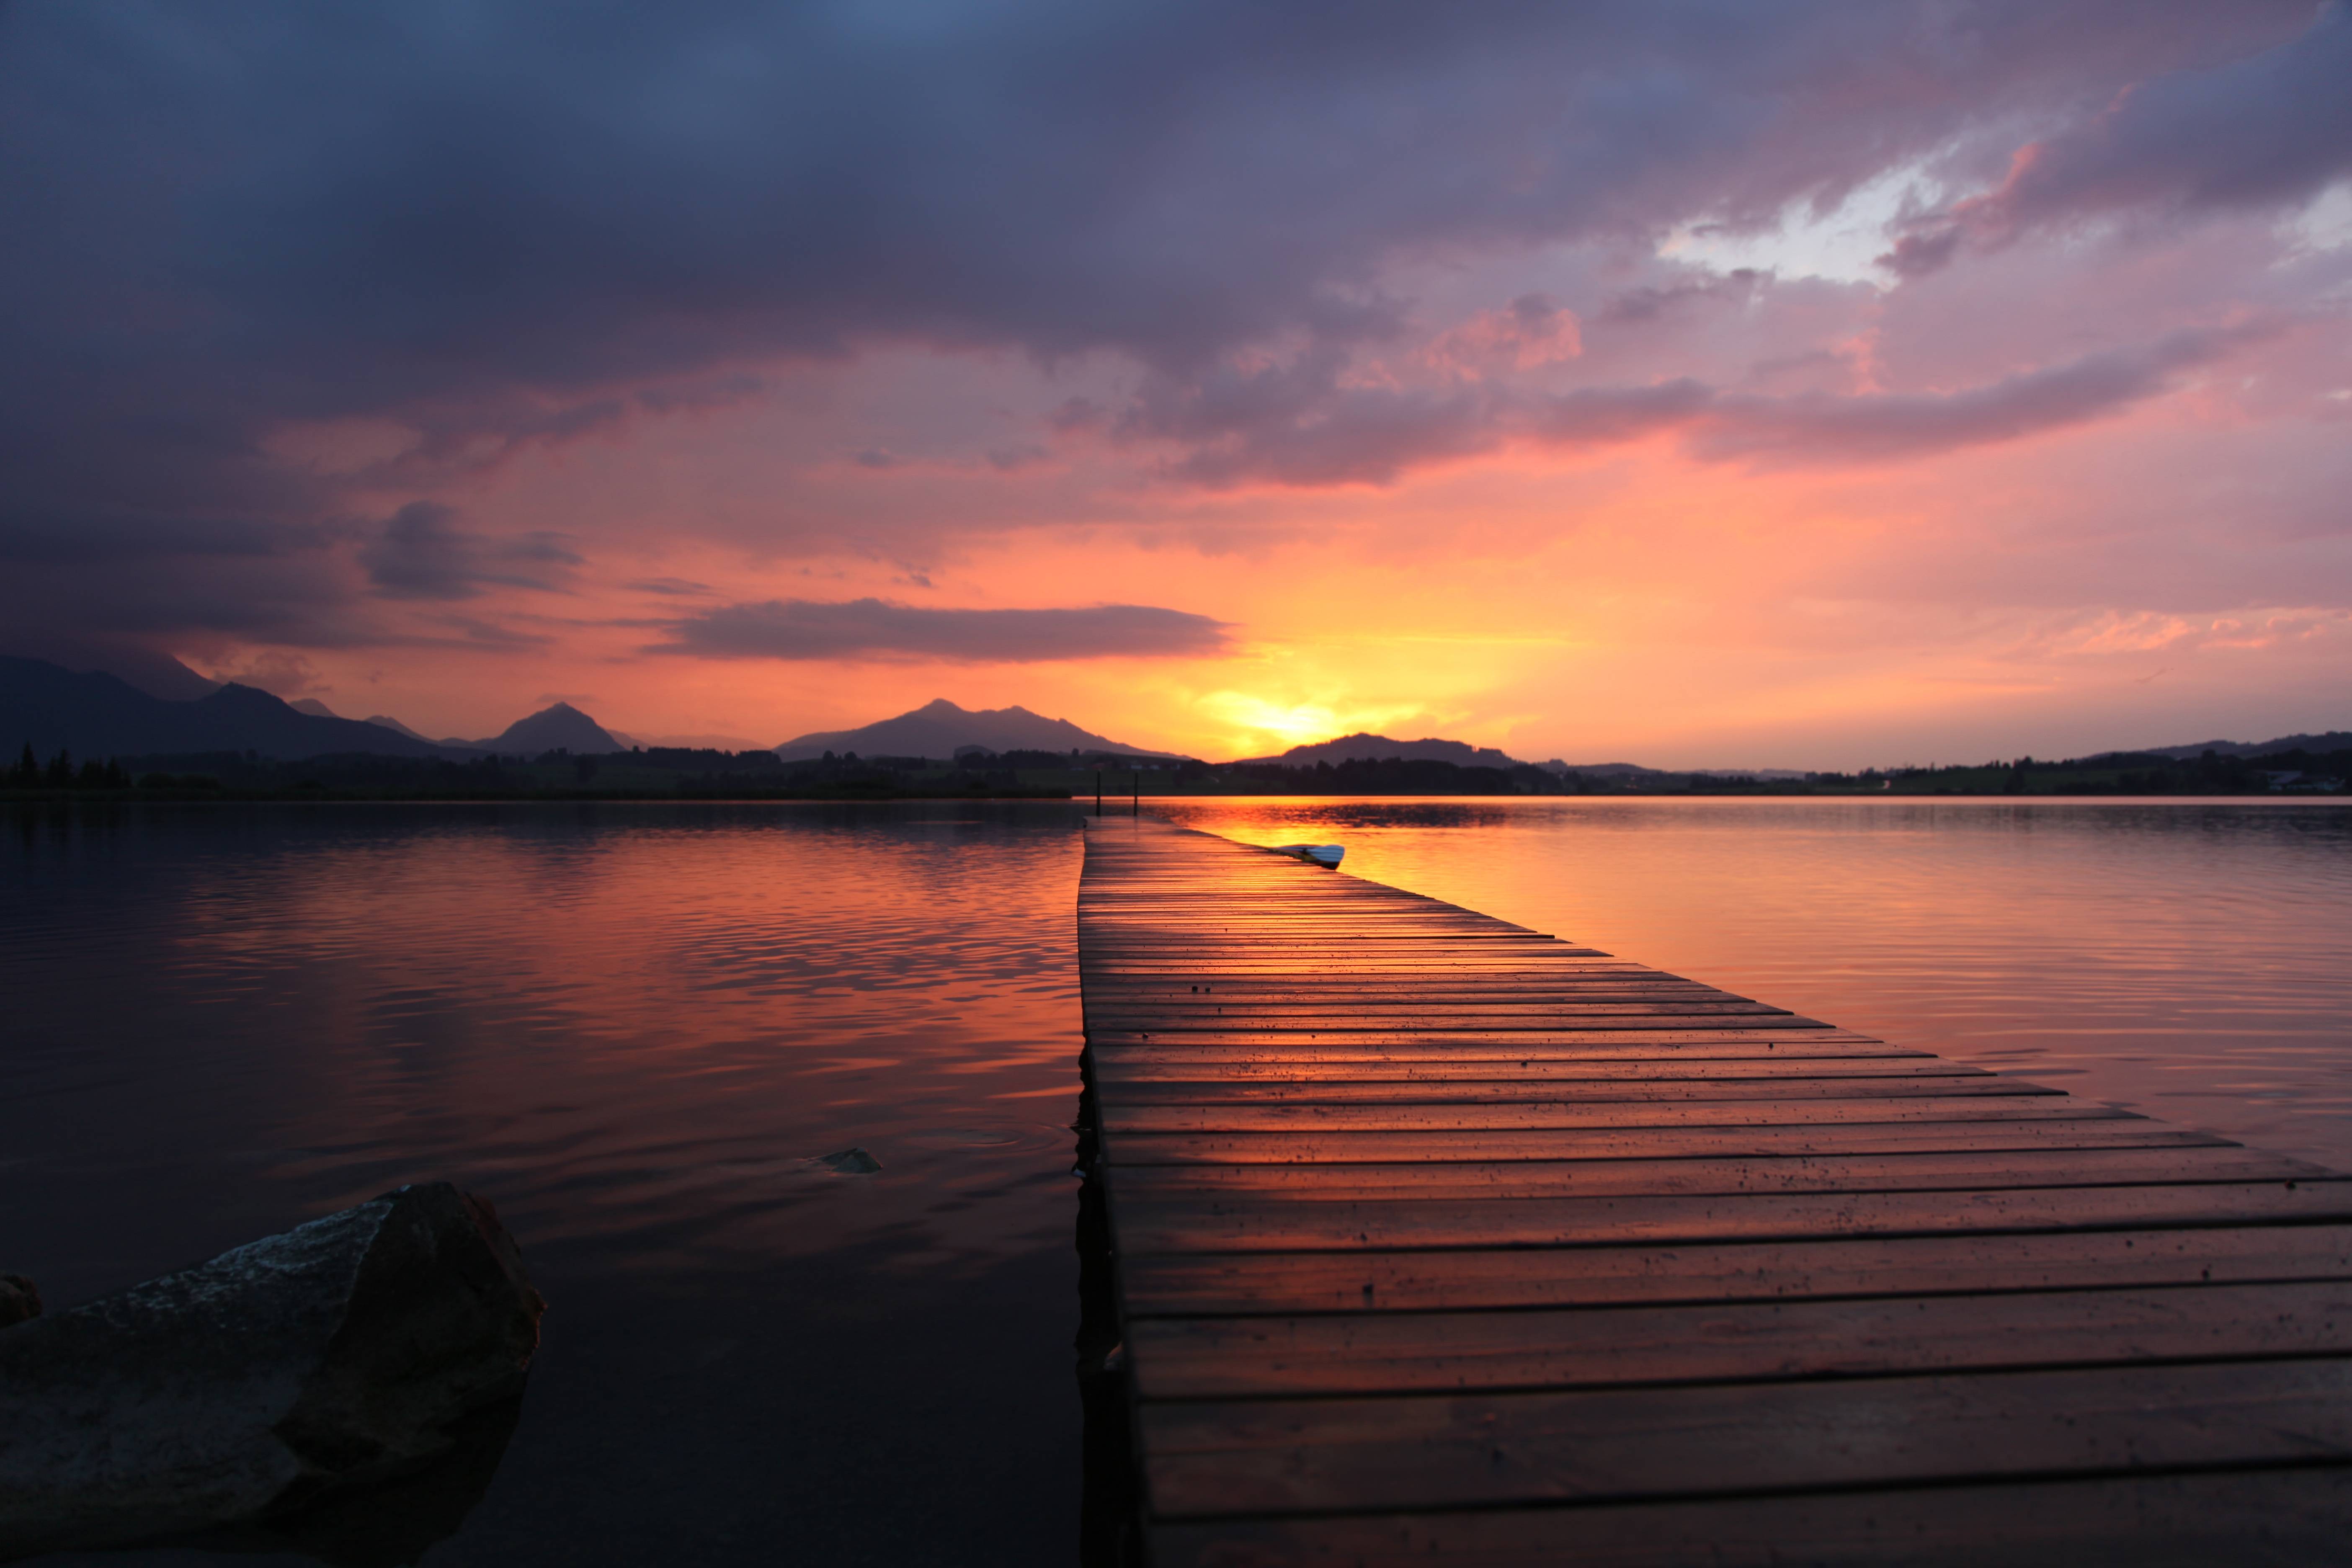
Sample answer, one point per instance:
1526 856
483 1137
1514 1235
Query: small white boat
1323 854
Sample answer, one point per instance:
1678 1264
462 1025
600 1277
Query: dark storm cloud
495 225
2269 130
420 553
871 629
72 581
34 538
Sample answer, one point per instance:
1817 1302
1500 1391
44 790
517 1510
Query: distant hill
2333 741
397 728
938 728
142 669
1603 770
1365 747
560 728
99 715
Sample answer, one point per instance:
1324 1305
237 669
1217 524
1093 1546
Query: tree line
59 773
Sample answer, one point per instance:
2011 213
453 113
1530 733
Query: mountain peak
558 727
386 722
939 727
1364 746
98 714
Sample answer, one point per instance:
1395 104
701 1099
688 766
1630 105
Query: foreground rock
331 1358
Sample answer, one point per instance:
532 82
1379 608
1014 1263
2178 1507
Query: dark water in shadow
2191 960
634 1028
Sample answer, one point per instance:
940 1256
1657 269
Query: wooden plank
1626 1026
1767 1038
1365 1281
1724 1112
1906 1170
1429 1451
1246 1223
1565 979
1279 1054
2291 1518
1954 1083
1487 1081
1450 1016
1171 1021
1265 960
2089 1130
1392 1353
1129 1073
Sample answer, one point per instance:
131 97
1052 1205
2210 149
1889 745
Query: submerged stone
851 1162
332 1358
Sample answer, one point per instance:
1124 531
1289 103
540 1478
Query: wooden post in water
1135 805
1097 792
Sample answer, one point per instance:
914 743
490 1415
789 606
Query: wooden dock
1440 1240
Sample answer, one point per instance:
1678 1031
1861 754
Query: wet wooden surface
1442 1240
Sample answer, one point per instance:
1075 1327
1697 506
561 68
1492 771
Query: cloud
485 220
279 671
484 231
877 628
417 553
28 539
2271 130
125 579
1301 425
1533 331
1012 457
1649 302
1817 428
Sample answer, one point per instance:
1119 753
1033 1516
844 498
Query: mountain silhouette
560 728
2333 741
99 715
939 727
1366 747
397 728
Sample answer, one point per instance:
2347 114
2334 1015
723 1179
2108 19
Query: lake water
635 1027
632 1028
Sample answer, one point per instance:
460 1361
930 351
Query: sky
1829 383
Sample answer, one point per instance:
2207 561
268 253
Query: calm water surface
2188 959
635 1027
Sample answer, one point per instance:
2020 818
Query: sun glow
1256 724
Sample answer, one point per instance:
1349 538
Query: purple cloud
1299 425
419 553
500 226
1889 426
877 628
2271 130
